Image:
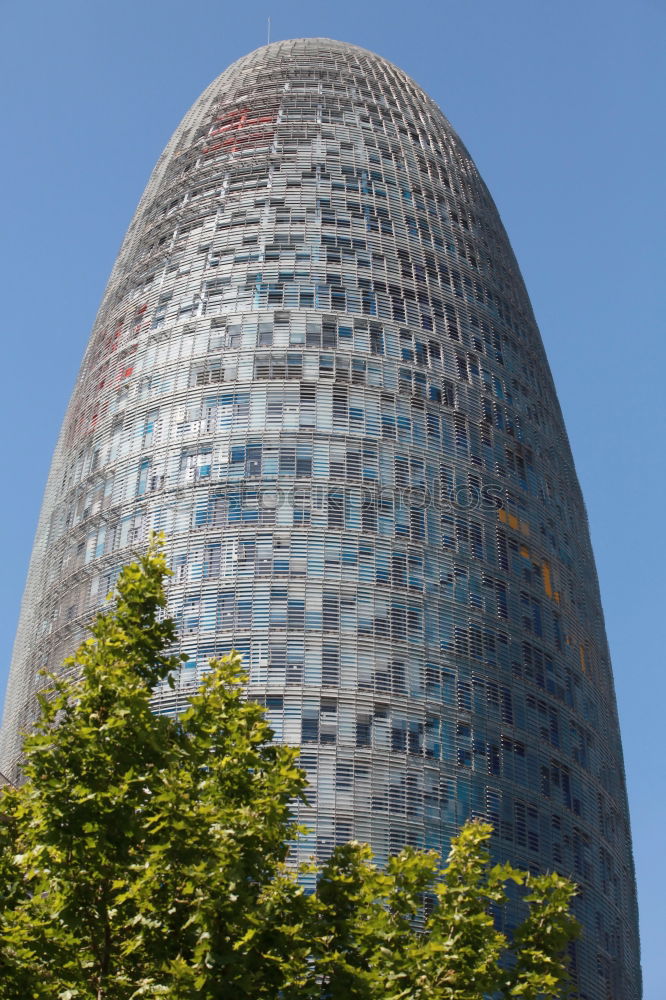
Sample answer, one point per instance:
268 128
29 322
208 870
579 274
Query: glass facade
317 370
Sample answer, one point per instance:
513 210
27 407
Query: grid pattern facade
316 369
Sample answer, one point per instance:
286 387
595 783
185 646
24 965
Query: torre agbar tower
316 369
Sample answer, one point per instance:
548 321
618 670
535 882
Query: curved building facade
317 370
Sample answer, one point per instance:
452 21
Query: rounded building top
288 51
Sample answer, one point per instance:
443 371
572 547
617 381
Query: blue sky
562 107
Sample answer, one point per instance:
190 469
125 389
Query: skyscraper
316 369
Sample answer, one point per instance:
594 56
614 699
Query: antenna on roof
269 31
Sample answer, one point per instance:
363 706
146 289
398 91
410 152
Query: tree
369 943
145 856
